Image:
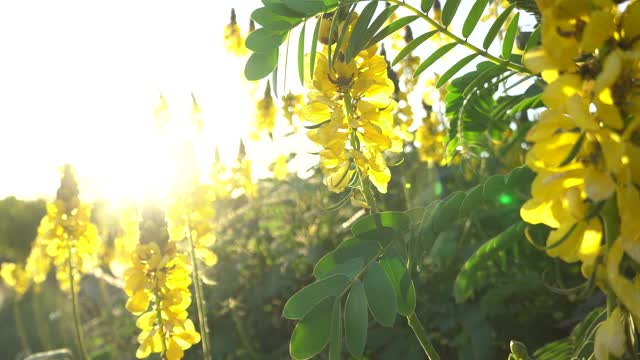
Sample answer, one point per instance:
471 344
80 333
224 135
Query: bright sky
79 81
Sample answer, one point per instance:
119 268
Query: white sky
79 81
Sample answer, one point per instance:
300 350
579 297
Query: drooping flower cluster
586 149
350 107
157 283
291 105
432 138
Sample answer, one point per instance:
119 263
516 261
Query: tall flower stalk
157 283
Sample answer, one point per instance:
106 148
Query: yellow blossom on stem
351 111
157 283
233 41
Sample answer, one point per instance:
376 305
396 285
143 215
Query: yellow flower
351 107
610 337
67 235
15 276
157 283
291 105
126 241
432 139
265 115
233 37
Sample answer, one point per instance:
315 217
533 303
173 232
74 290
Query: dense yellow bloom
67 235
351 109
233 41
585 146
157 283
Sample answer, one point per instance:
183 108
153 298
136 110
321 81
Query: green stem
443 29
202 311
412 319
22 334
74 305
42 326
421 334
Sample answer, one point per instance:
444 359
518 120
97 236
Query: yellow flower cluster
265 119
585 145
125 241
66 237
233 41
432 138
351 109
291 105
157 283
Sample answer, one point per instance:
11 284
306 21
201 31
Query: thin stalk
74 305
22 334
506 63
158 300
421 334
41 325
202 310
412 319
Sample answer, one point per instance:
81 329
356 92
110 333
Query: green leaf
493 187
260 65
426 5
412 45
344 259
264 41
379 21
307 7
396 220
533 39
449 11
447 212
335 337
466 280
394 267
308 297
483 76
445 246
472 201
391 28
311 335
454 69
520 177
343 32
301 54
359 32
314 46
381 296
474 16
356 320
279 8
266 18
496 26
433 58
510 37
